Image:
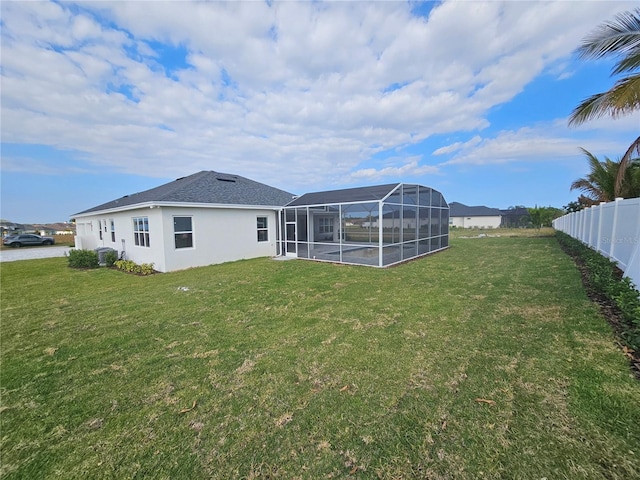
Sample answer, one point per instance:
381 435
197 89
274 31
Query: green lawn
486 360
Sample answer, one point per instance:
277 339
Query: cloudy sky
103 99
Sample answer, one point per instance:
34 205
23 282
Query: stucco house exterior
464 216
211 217
203 219
56 229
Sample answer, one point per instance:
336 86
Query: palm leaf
618 36
599 184
621 99
625 163
629 63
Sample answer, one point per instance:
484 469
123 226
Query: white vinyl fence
612 229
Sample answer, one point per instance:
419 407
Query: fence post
579 224
614 227
599 236
586 224
591 210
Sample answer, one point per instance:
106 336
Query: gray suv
27 239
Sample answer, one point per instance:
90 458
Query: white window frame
181 232
141 237
325 225
112 226
262 229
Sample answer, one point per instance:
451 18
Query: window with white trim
113 230
141 231
325 224
183 232
263 229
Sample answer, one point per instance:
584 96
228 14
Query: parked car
27 239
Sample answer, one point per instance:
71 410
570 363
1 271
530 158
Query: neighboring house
9 228
463 216
211 217
205 218
56 229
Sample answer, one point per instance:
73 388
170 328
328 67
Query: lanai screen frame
415 222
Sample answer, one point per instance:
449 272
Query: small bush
130 266
146 268
110 258
83 259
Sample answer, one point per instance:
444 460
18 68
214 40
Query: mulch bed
609 310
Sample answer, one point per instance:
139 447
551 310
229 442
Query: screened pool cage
376 226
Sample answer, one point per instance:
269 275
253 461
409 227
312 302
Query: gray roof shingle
460 210
205 187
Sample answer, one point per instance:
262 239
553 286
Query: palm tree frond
625 163
599 184
591 107
628 63
621 99
615 37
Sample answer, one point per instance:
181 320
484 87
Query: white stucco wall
88 234
476 222
219 235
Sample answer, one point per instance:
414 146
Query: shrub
146 268
83 259
602 276
130 266
125 265
110 258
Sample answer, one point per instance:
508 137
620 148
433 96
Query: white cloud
458 146
544 142
410 168
300 90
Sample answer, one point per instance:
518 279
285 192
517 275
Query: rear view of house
203 219
212 217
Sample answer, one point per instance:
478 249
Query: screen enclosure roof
346 195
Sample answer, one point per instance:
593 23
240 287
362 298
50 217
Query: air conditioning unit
101 253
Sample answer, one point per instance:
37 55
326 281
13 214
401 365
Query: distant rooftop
461 210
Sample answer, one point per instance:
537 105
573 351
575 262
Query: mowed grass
486 360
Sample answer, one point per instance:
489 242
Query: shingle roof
360 194
460 210
205 187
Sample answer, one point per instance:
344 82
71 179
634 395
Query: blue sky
104 99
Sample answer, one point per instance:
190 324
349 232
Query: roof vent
226 178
